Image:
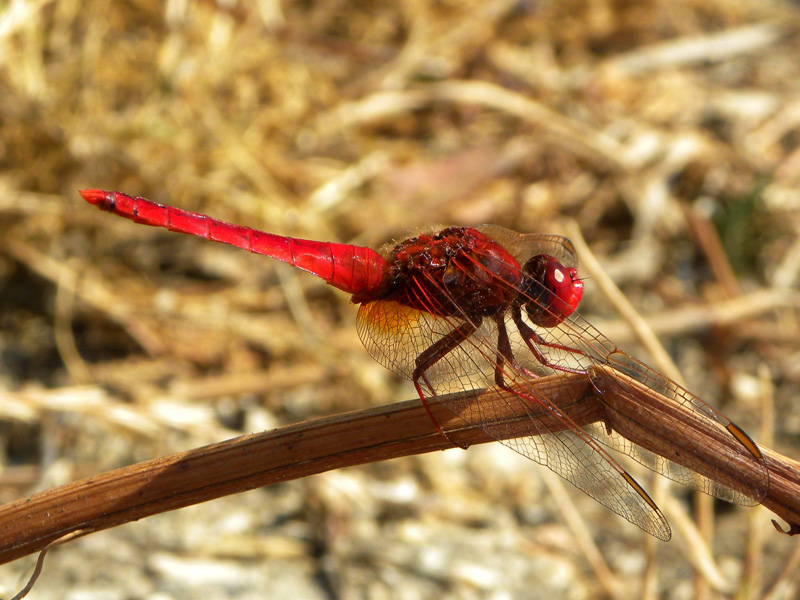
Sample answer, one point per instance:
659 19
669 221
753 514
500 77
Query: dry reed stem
402 429
252 461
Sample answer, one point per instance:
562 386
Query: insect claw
794 528
597 389
441 431
455 443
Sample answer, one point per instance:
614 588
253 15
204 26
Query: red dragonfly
439 309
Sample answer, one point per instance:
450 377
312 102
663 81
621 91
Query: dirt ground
667 133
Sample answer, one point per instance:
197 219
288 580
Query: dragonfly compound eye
554 291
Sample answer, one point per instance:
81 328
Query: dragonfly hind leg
429 357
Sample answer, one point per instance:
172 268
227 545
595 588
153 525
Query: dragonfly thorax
456 272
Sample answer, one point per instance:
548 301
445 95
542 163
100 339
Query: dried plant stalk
295 451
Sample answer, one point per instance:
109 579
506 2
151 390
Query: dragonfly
475 308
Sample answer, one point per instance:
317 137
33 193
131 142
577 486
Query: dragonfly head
553 290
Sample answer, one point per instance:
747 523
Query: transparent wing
523 246
703 427
396 335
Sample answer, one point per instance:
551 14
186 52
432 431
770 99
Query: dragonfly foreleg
533 340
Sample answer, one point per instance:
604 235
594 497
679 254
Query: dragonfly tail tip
101 199
93 196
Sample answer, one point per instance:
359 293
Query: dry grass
669 132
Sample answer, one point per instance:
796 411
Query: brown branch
247 462
295 451
719 458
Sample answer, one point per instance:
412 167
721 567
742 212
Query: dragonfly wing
395 335
567 454
524 246
559 443
712 454
647 401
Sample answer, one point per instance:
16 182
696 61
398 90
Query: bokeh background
667 131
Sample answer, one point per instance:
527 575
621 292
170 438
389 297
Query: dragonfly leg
533 340
504 356
433 354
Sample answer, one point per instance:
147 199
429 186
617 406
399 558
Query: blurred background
667 132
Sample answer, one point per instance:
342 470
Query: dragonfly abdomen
355 269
